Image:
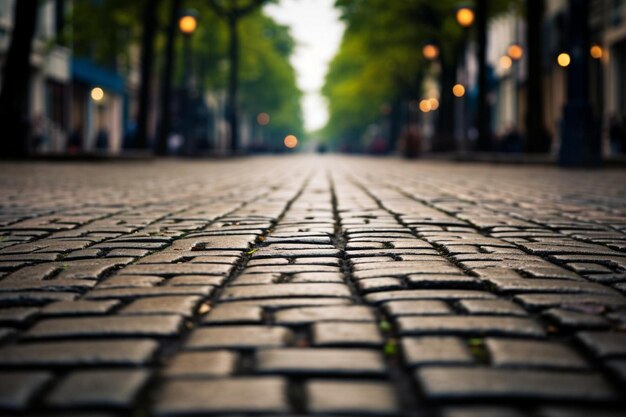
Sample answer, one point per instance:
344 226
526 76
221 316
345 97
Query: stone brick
417 308
381 297
604 344
202 364
486 383
79 307
155 325
249 292
227 395
495 307
79 353
18 387
161 291
17 315
378 284
469 325
234 314
181 305
305 315
178 269
351 397
98 388
239 337
529 353
346 334
575 320
321 361
432 350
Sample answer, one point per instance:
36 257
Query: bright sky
317 29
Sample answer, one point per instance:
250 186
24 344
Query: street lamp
465 16
563 59
187 24
262 119
596 51
430 51
515 52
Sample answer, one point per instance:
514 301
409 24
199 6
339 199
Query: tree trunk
484 135
147 58
233 83
14 97
166 84
580 136
535 136
445 127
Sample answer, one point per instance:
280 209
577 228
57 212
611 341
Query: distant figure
75 141
616 132
411 142
39 134
130 135
512 141
102 140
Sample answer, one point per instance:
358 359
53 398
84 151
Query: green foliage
109 31
380 57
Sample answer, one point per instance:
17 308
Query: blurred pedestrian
616 133
102 139
75 141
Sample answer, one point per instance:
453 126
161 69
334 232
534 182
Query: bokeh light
434 103
187 24
505 62
291 141
458 90
465 16
596 51
97 94
263 119
515 52
430 51
425 106
563 59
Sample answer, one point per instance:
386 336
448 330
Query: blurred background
536 79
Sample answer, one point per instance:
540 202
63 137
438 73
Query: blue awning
87 71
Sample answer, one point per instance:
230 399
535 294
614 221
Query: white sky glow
316 27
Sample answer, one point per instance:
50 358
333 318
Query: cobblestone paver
311 286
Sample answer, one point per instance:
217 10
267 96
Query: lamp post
515 52
580 139
465 17
187 24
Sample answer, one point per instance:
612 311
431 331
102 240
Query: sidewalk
334 286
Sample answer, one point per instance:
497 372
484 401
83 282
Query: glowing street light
596 51
430 51
425 106
458 90
97 94
263 119
187 24
505 62
563 59
515 52
434 104
290 141
465 16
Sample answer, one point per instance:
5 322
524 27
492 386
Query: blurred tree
149 28
264 72
165 116
379 67
14 97
232 12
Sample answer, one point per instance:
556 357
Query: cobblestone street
300 286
